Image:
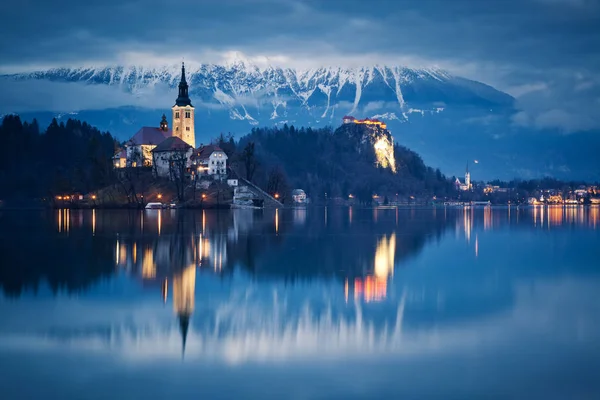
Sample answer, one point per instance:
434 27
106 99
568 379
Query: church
159 147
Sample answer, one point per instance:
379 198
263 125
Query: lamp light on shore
159 196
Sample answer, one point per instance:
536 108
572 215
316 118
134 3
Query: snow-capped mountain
257 95
445 118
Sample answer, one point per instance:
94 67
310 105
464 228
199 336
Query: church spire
183 99
164 125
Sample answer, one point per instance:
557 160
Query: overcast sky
544 52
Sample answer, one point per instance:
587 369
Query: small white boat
154 206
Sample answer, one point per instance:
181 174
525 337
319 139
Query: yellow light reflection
384 257
159 221
94 221
134 253
184 290
148 264
487 218
594 216
277 220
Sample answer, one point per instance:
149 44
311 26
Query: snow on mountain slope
262 94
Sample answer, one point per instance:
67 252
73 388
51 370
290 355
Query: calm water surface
332 303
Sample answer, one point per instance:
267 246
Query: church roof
183 99
204 152
149 135
172 143
121 153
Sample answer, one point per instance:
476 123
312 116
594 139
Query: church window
187 114
187 128
176 128
177 114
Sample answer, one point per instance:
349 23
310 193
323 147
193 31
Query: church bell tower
183 113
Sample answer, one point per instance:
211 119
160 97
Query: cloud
44 95
496 42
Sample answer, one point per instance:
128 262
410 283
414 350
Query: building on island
367 121
166 149
209 160
139 147
183 113
120 158
171 157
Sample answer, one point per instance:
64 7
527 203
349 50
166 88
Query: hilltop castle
367 121
159 147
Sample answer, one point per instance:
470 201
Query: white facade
213 163
232 182
217 163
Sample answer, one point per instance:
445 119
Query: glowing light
276 195
159 221
184 288
277 220
148 264
94 221
384 257
384 152
159 196
93 197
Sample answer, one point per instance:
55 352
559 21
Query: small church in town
161 147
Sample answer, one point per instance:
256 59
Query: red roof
204 152
149 135
121 153
172 143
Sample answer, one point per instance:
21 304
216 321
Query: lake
317 303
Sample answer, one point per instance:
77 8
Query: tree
178 160
277 183
249 160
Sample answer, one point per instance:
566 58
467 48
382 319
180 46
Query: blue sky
544 52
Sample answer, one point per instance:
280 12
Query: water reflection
303 284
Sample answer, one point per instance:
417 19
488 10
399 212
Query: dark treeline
336 162
71 157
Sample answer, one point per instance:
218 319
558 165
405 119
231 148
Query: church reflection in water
274 283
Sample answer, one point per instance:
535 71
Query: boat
299 197
154 206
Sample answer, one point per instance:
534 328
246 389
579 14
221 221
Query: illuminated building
184 290
138 149
467 185
183 113
384 145
367 121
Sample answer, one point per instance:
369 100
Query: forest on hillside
324 162
65 157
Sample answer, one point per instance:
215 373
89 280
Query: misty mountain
447 119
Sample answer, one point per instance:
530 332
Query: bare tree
178 161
